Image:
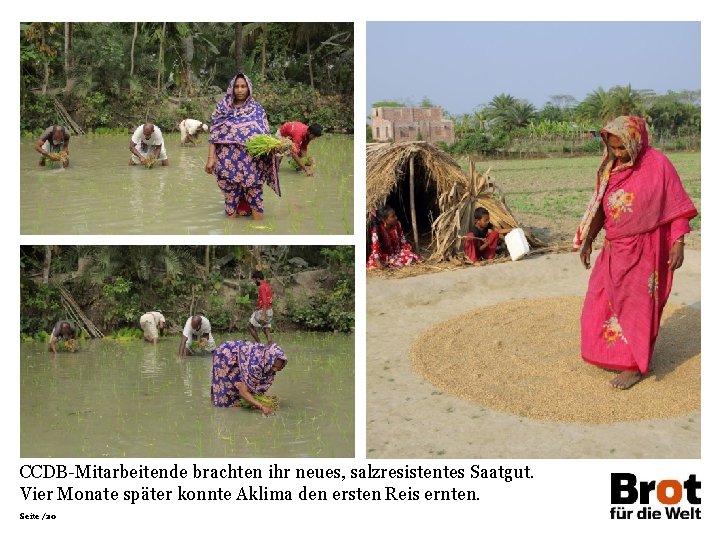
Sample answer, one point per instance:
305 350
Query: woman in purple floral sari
243 368
240 176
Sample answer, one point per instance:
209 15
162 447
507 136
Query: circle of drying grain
523 357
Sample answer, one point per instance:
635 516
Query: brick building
400 124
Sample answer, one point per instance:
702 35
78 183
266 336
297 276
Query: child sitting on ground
388 247
481 241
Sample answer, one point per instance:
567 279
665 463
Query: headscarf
235 125
632 131
652 172
256 361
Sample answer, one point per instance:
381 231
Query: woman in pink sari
645 211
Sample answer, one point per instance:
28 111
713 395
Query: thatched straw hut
432 195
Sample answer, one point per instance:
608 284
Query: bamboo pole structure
66 118
412 203
77 313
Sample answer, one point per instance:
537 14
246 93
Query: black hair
480 212
381 214
257 274
315 129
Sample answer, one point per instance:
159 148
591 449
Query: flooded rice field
101 194
134 399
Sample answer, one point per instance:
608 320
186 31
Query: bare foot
257 216
626 379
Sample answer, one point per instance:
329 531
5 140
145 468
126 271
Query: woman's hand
210 165
267 411
585 253
677 256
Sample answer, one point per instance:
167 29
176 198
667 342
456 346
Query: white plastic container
517 244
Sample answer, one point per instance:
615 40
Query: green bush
190 109
99 110
41 307
480 142
122 302
37 113
594 146
228 315
109 131
334 311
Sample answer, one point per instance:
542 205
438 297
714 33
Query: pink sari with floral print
646 210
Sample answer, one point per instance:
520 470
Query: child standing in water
482 239
263 315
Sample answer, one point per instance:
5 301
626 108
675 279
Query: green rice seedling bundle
263 145
199 346
150 161
307 161
126 334
272 402
68 345
62 157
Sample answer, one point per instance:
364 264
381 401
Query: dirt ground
408 417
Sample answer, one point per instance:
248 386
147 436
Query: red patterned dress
389 248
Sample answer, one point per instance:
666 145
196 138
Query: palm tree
596 107
498 106
625 101
519 114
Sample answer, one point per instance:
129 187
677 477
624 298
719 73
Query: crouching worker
54 145
482 240
196 337
150 323
64 336
190 129
243 370
301 135
148 146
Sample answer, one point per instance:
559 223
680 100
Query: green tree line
117 75
115 285
508 121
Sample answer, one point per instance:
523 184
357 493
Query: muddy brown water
134 399
100 194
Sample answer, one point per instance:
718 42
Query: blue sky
462 65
